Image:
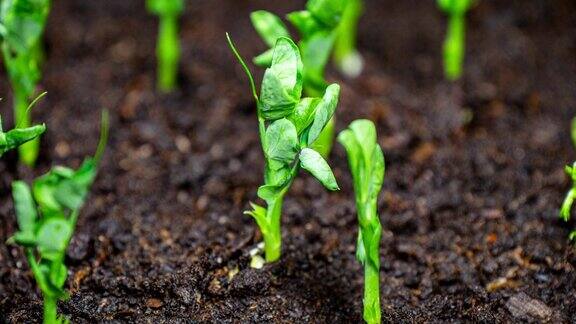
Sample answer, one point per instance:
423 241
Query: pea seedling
46 216
346 56
288 126
366 162
22 24
168 48
318 27
566 208
454 44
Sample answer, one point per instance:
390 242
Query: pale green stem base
371 294
273 234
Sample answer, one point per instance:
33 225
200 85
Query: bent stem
454 47
50 302
168 52
28 151
346 56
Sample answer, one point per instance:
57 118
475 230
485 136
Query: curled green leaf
324 112
314 163
282 141
282 82
269 26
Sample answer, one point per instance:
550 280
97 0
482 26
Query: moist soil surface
470 202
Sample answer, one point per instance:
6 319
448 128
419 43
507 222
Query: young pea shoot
22 24
168 47
367 165
318 27
288 126
46 216
454 44
346 56
566 208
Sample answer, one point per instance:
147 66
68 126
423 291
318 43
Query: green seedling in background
346 56
168 47
47 216
455 42
366 162
571 195
22 24
318 27
288 126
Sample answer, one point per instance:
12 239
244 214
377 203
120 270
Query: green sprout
454 43
318 27
47 216
288 126
22 24
346 56
366 162
571 195
168 48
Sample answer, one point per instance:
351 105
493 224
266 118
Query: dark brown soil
469 207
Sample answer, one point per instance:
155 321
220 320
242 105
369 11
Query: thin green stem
28 151
273 233
371 294
168 52
50 310
345 54
104 133
50 302
370 240
454 46
273 237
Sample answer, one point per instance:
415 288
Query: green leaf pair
289 125
318 29
367 166
23 23
47 214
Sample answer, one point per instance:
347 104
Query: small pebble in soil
154 303
79 247
182 144
522 307
62 149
